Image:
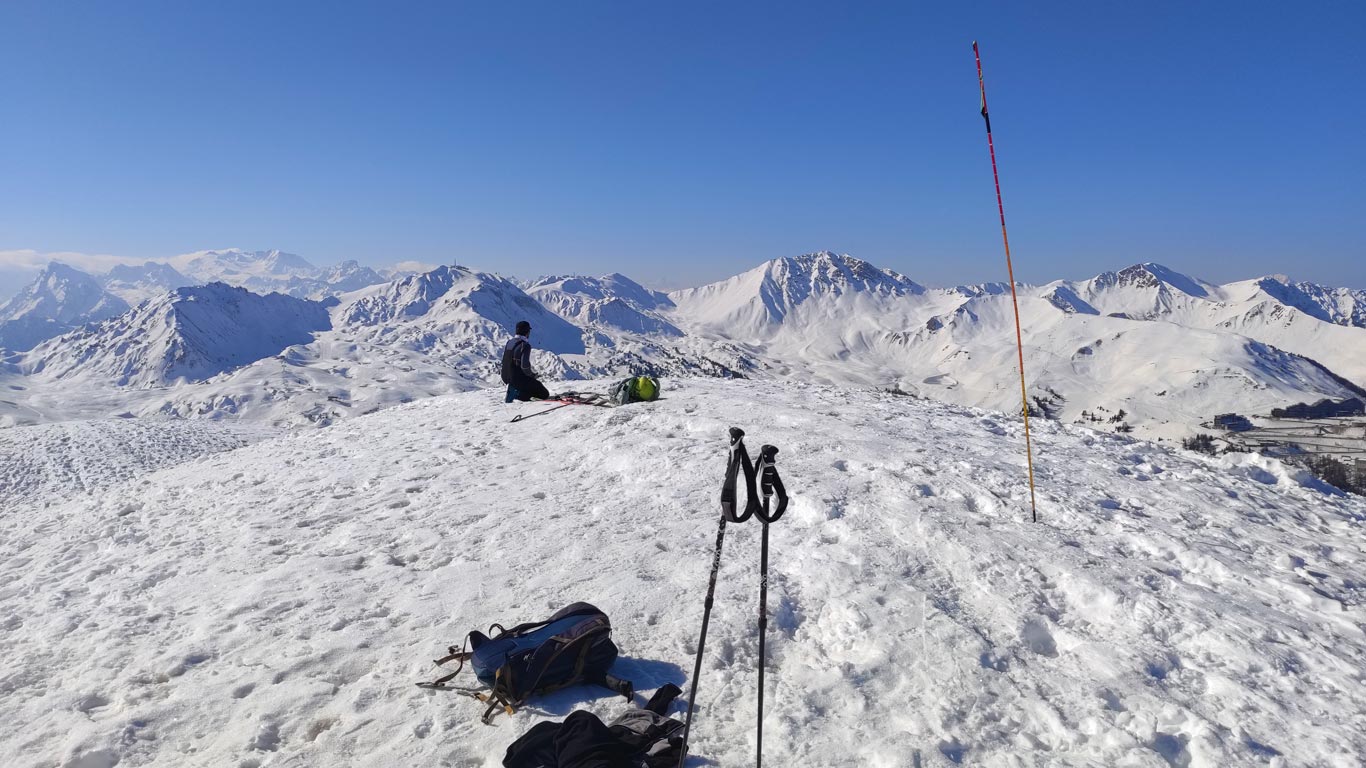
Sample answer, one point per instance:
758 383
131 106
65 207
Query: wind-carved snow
273 604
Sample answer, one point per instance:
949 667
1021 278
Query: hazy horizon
13 278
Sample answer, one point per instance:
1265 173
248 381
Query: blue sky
684 142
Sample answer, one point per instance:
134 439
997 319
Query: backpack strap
517 630
461 656
500 696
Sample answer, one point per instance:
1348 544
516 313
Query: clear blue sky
683 142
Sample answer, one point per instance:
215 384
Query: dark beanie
523 328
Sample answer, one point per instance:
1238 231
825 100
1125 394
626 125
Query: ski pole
770 481
737 436
1010 271
525 416
763 629
568 398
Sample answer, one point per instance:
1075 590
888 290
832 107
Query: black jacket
517 361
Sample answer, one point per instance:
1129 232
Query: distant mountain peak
1152 275
137 283
188 334
235 265
612 300
1340 306
433 304
757 302
59 299
829 272
61 269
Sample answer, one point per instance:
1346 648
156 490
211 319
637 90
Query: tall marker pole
1010 271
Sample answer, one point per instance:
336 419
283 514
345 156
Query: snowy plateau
245 501
274 604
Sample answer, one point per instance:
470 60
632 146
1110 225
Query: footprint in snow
1172 748
1036 637
1112 700
953 750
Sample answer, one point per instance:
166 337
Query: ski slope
274 604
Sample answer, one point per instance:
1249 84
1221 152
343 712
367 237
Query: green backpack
636 389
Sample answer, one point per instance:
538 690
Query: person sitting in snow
517 373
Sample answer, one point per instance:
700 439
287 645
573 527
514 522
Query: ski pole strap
739 460
771 484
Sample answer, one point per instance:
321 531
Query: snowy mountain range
189 334
1166 349
275 271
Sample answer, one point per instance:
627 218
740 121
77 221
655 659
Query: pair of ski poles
767 474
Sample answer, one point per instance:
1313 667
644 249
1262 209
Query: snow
1167 349
614 301
276 271
274 604
44 464
136 284
59 299
189 334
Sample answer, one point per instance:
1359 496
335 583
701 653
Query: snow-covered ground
274 604
43 464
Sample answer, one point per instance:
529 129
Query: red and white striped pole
1010 271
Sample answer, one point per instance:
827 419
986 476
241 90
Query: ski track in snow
273 606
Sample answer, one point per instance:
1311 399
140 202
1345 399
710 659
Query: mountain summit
234 265
755 302
135 284
614 301
452 305
59 299
189 334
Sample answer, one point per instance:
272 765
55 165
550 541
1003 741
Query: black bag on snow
572 646
638 738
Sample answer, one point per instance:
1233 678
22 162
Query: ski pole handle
771 483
